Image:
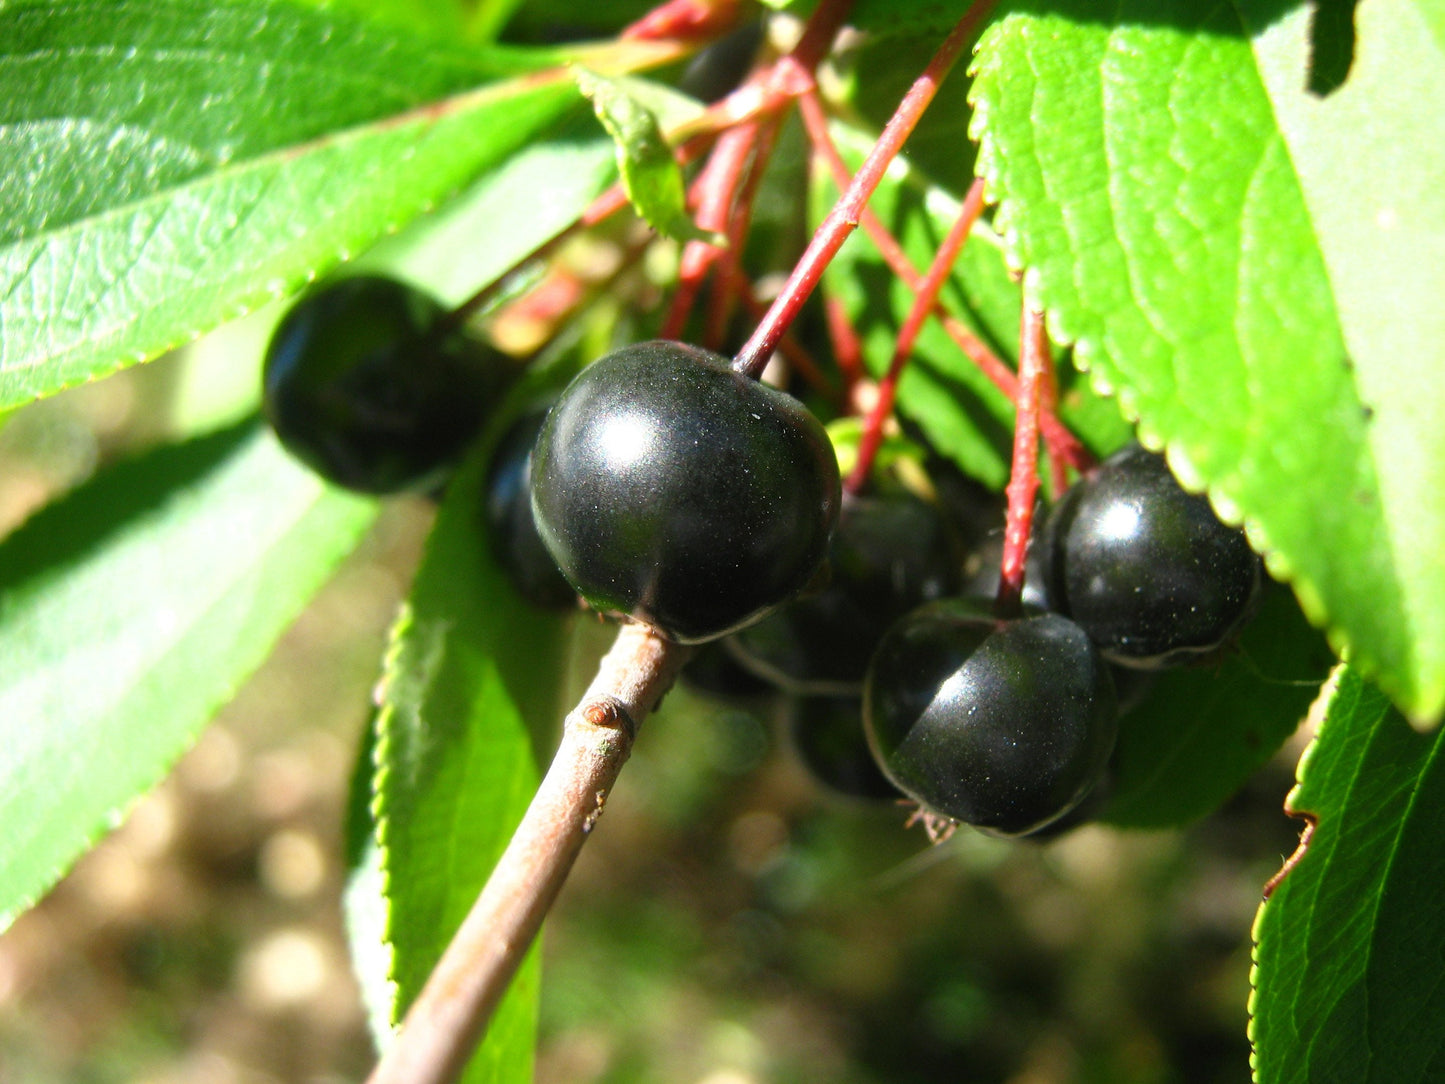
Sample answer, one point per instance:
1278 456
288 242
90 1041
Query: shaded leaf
1146 184
889 18
1200 732
469 667
129 612
960 411
650 173
881 68
1348 948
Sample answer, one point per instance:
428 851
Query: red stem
689 20
713 192
817 37
730 259
843 218
803 362
1023 483
1063 445
847 349
764 94
1049 408
924 301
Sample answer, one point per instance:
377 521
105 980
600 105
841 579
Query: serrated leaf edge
1313 720
423 117
380 776
1181 461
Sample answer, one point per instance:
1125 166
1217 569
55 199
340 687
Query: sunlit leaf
131 611
174 163
470 666
1190 227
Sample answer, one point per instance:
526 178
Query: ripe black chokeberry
1004 725
365 384
1147 570
828 737
984 569
672 489
890 553
511 528
714 672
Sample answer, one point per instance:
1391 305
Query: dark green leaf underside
1200 732
1347 954
129 612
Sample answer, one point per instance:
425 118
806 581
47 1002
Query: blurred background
732 921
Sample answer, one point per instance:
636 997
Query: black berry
828 737
984 569
717 70
714 672
364 383
681 493
1005 725
1147 570
890 553
511 528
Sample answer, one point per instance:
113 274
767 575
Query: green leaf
1348 948
470 667
1368 157
129 612
650 173
174 163
363 900
960 411
452 252
488 17
510 212
443 18
1200 732
1168 212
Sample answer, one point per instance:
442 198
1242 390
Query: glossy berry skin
362 383
890 553
1147 570
673 490
984 570
1004 725
828 737
513 532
